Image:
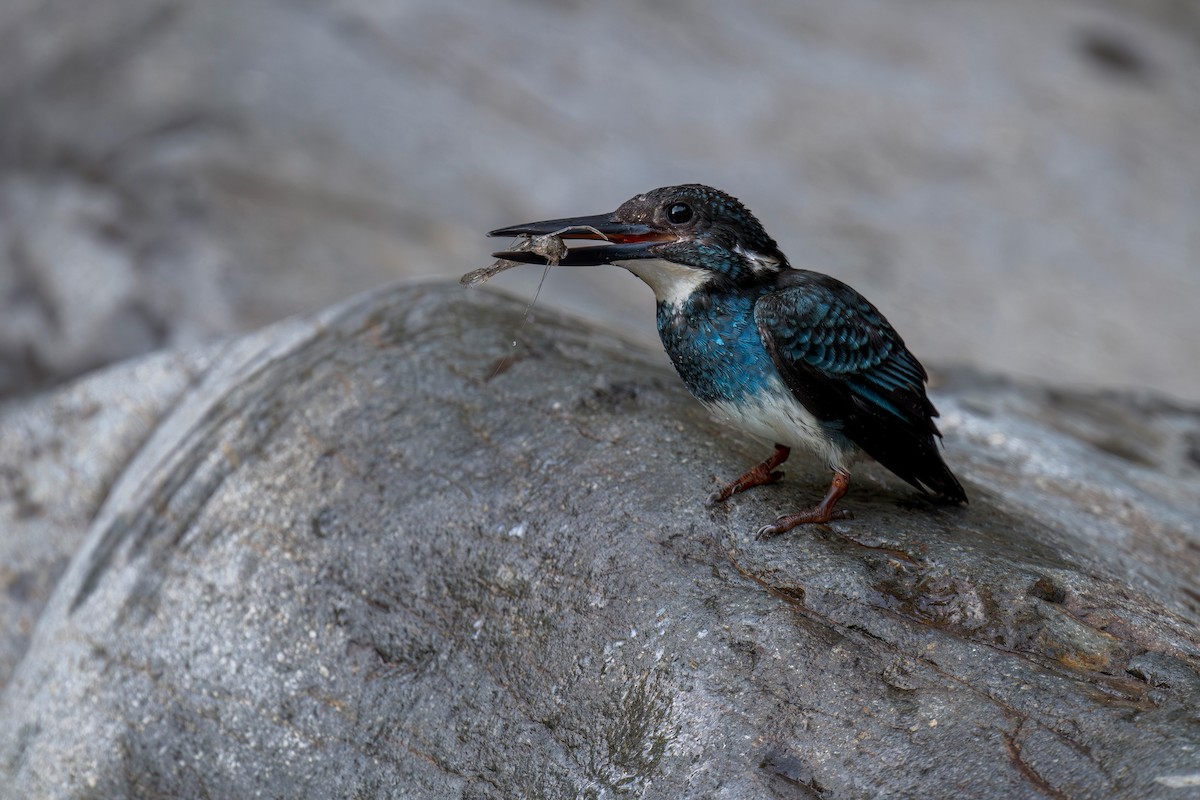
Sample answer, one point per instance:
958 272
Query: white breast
777 417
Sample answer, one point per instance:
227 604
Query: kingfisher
791 356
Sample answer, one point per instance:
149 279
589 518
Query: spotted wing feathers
850 369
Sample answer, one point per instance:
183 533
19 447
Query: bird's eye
679 213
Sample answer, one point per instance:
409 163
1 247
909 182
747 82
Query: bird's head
676 239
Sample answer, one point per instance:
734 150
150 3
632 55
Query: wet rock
354 559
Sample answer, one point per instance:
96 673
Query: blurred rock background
1016 184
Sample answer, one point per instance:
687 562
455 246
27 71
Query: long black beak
624 241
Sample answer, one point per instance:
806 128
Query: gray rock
61 455
378 553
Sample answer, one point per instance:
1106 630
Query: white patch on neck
759 263
672 283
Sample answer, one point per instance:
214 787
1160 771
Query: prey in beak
623 241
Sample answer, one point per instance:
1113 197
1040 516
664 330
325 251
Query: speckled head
710 230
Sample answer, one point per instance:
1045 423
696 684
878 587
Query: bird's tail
937 477
920 463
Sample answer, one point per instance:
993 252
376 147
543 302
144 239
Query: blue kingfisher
791 356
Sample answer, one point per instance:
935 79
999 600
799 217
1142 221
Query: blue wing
848 366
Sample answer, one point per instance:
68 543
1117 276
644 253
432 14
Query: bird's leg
758 475
821 512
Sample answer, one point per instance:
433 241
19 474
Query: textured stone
60 456
379 553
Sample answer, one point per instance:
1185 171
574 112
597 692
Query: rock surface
376 553
1021 173
61 455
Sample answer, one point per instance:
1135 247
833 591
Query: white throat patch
672 283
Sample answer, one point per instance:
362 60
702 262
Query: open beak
623 241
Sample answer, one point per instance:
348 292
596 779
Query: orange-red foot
822 512
758 475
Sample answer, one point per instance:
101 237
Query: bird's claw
787 522
741 485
